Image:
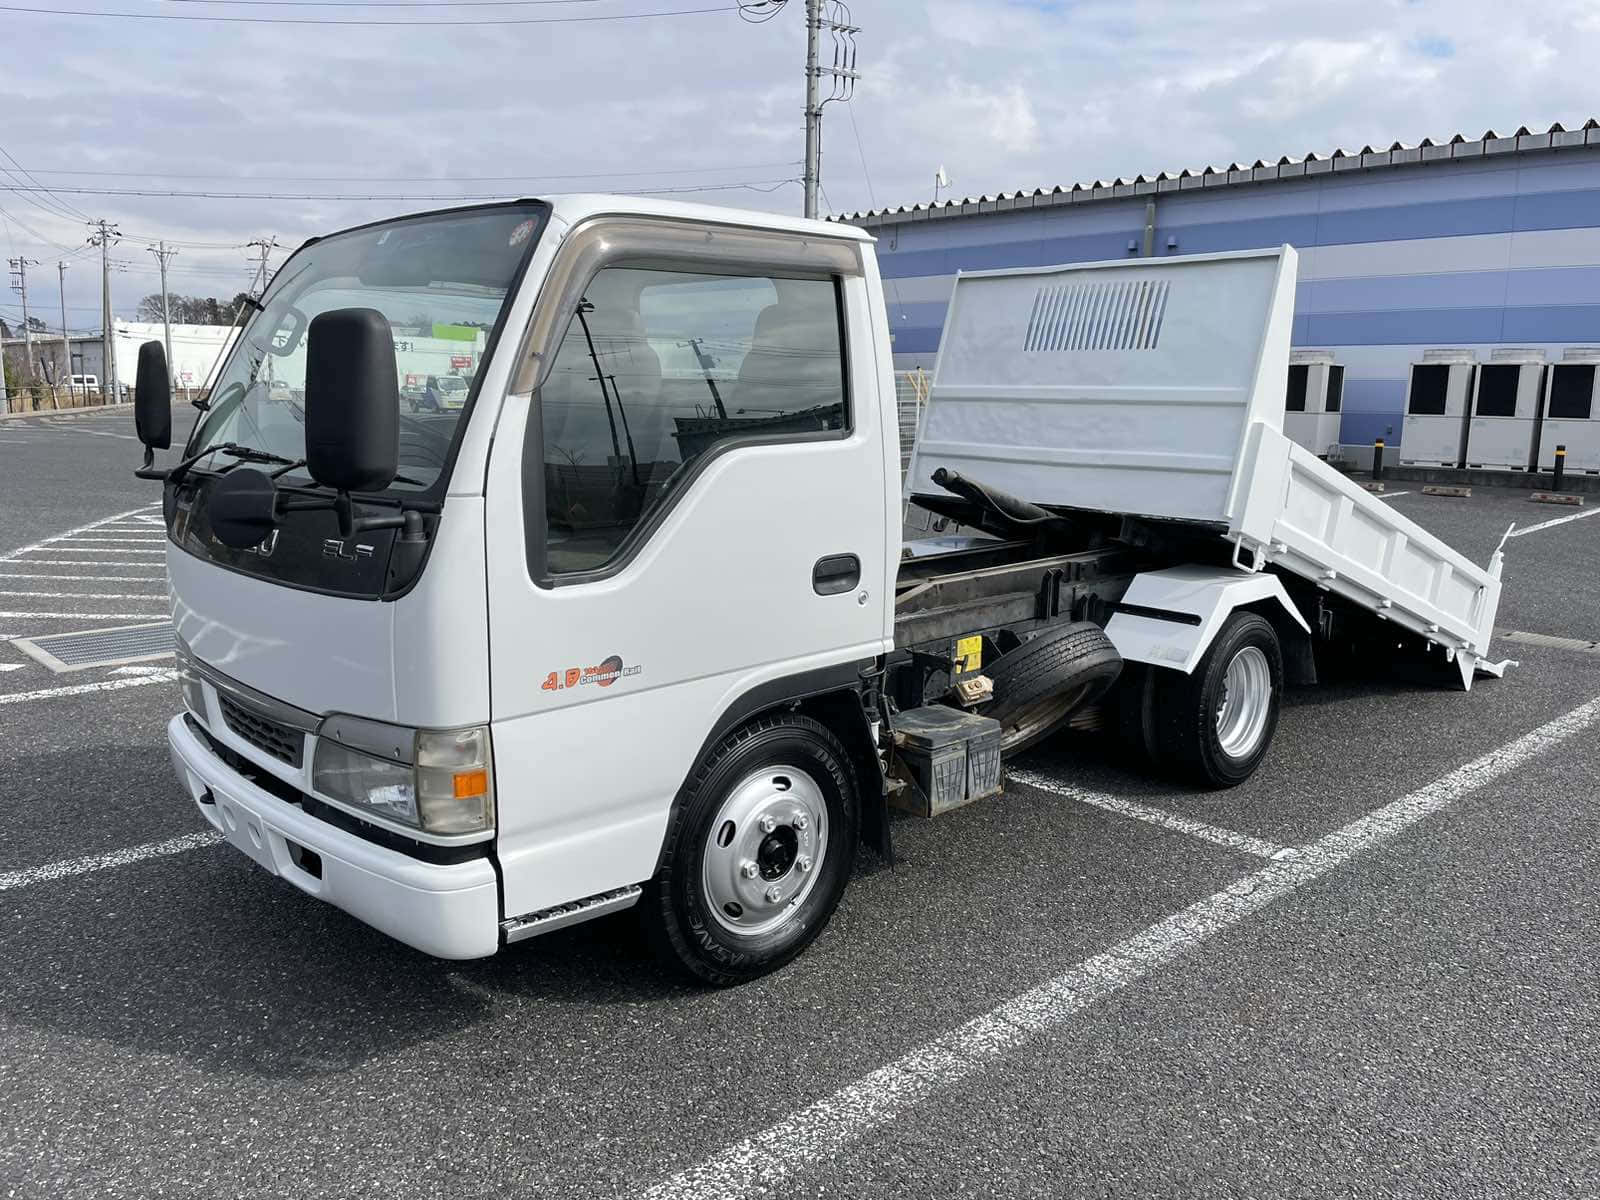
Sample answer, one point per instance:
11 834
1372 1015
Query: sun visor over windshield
465 254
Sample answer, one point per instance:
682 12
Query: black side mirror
352 415
152 401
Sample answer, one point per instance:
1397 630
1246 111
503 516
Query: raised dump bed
1154 388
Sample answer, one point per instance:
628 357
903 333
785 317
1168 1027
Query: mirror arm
171 474
408 521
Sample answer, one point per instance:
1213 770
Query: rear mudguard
1169 618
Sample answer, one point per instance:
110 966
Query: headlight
385 787
436 781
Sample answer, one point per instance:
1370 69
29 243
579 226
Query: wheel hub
777 852
1245 704
763 850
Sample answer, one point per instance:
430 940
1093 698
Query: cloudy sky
291 98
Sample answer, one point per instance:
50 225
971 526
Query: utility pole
265 246
105 233
20 266
66 334
813 106
162 255
833 16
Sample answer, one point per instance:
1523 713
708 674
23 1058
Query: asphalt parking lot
1368 971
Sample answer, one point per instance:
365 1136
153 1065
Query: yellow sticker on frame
969 654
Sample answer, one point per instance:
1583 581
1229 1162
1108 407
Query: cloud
1005 93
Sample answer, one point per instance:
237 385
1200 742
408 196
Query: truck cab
668 506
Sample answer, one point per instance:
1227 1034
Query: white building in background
195 349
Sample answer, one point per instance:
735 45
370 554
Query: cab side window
657 370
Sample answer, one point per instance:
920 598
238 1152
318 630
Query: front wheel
1213 726
758 852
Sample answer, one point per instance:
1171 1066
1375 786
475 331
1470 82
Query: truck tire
1213 726
1039 684
758 852
1133 702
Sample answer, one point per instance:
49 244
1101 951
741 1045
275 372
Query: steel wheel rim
774 820
1246 702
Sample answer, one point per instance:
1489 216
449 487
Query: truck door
689 504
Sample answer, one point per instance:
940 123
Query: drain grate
100 647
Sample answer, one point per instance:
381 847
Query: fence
911 399
44 398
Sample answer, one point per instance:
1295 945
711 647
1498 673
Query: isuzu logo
334 548
265 546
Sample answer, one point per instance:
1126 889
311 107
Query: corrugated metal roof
1367 158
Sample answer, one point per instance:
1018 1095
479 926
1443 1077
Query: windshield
442 281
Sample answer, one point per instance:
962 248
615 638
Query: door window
659 370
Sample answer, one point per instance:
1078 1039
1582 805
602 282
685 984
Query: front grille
284 744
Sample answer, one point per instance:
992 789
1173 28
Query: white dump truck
615 634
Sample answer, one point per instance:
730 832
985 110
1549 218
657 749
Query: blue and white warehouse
1439 283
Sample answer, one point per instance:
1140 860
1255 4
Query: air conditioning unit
1438 400
1503 434
1314 399
1572 412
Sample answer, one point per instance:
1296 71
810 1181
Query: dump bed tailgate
1155 388
1121 387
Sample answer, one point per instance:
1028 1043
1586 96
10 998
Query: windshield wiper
249 454
179 470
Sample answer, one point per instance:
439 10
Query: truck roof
580 206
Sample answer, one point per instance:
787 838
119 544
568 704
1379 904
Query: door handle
836 573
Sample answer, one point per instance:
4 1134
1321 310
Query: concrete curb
67 412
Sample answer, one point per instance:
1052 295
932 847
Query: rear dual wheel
1213 726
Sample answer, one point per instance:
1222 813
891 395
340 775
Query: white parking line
158 596
123 539
1233 840
99 862
10 615
815 1135
88 562
82 578
122 516
83 689
82 549
1391 495
1552 523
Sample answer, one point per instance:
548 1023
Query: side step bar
545 920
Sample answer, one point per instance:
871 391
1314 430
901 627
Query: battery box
949 758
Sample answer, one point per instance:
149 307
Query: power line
39 238
759 12
760 166
756 185
383 3
68 210
644 16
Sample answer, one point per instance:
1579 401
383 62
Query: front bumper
449 911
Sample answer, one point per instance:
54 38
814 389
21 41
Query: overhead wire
158 16
759 12
759 166
383 3
68 210
757 185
